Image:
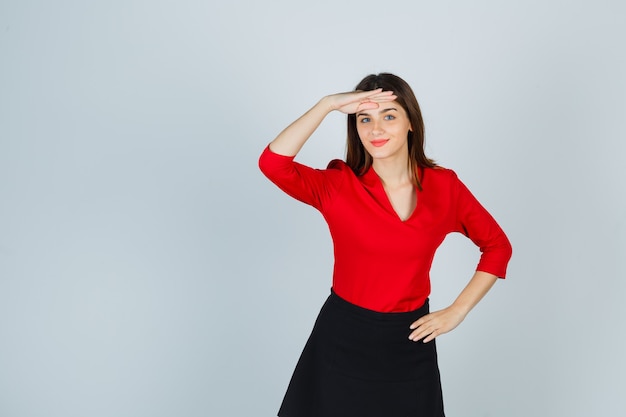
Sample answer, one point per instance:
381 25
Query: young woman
388 207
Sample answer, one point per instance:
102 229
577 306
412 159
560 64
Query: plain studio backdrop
147 268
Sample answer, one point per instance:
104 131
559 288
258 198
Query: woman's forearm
290 141
439 322
474 291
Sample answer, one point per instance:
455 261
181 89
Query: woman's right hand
356 101
290 140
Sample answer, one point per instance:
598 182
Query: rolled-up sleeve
315 187
475 222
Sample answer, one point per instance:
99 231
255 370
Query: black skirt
361 363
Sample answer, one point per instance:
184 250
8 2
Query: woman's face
383 131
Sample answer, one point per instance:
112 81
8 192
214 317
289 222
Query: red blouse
381 262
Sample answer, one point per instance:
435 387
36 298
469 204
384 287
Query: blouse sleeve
315 187
475 222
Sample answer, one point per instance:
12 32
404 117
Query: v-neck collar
376 188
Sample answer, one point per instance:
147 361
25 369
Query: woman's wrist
326 103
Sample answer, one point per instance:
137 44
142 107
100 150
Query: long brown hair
357 157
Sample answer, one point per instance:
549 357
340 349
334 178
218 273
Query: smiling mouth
379 142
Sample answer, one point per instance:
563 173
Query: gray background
148 269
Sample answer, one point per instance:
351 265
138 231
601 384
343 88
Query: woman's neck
393 173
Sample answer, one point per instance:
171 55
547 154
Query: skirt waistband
348 307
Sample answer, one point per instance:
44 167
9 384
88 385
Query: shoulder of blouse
268 158
439 175
338 164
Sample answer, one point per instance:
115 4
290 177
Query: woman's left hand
435 324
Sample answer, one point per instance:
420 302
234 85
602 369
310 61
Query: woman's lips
379 142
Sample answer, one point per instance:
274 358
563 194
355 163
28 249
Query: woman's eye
365 120
389 117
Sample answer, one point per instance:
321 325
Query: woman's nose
376 129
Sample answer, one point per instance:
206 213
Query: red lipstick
379 142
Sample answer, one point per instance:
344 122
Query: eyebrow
382 111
